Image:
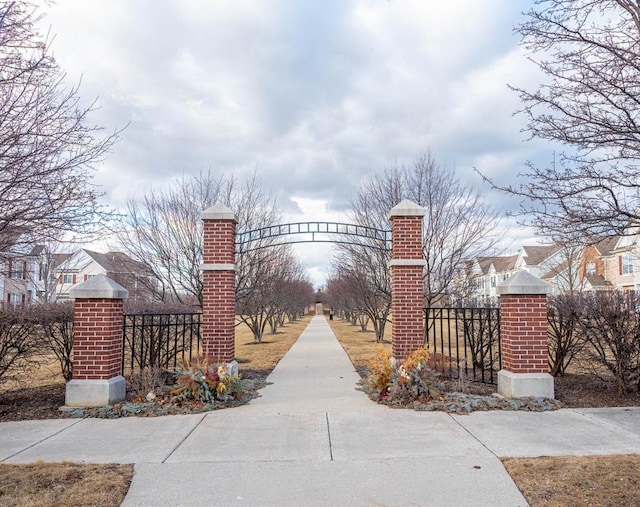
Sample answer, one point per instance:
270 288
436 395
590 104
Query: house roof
59 258
116 262
556 270
598 281
606 245
111 262
535 254
501 264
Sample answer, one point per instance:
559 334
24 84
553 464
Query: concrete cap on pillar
523 282
407 208
218 212
99 287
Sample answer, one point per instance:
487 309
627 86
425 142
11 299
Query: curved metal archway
253 240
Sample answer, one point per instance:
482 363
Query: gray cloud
315 95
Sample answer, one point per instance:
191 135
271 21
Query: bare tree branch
48 147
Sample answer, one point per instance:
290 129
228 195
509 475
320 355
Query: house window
591 268
493 281
626 264
18 270
15 299
67 278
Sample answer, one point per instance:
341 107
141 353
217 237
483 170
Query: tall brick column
97 344
523 336
219 284
407 264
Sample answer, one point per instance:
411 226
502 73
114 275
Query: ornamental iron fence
464 342
159 340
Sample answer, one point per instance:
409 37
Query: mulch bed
572 391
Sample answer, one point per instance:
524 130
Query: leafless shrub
564 337
610 322
19 346
148 380
56 323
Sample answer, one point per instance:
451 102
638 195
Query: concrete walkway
312 439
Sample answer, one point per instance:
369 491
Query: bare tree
458 225
48 145
363 278
589 54
262 299
164 229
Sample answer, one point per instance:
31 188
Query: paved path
312 439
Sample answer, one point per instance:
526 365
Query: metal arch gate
257 238
218 273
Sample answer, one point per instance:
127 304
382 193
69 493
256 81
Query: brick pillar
97 344
219 284
407 264
523 336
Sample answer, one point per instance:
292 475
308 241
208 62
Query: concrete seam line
603 422
183 440
329 435
471 433
41 440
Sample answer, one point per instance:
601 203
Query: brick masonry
407 328
523 324
218 293
97 339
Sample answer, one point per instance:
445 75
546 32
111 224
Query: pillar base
521 385
95 393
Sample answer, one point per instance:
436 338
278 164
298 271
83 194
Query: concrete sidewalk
313 439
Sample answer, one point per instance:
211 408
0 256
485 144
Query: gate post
97 344
218 284
407 264
523 337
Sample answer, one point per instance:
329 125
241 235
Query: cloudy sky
315 95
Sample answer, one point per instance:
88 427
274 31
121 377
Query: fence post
219 285
407 264
97 344
523 328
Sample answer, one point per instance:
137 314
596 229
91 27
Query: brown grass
265 356
570 481
359 346
68 484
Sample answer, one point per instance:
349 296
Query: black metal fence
159 340
464 341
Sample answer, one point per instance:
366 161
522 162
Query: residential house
593 269
621 263
482 276
22 274
85 264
